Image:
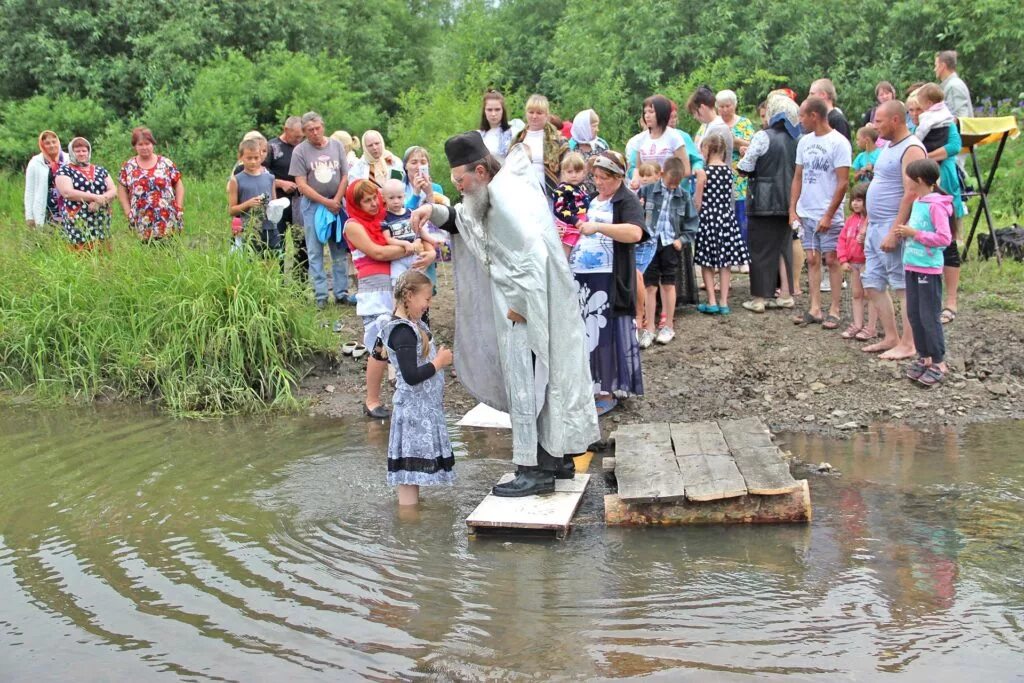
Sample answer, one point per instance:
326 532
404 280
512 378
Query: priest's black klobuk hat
465 148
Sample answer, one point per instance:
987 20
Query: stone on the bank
848 425
817 387
329 388
808 418
839 413
998 388
802 396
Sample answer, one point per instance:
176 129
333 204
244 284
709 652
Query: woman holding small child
372 254
605 271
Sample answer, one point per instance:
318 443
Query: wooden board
794 506
645 464
707 469
764 471
759 460
698 438
553 511
746 432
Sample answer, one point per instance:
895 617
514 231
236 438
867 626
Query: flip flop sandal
931 376
864 335
948 315
831 322
807 319
724 310
348 347
707 308
606 405
851 332
359 351
916 369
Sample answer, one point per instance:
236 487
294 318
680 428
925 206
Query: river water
138 547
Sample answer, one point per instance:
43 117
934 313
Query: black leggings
924 309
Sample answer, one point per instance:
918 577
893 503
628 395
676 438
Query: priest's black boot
529 481
566 468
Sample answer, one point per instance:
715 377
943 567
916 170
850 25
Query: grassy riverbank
184 324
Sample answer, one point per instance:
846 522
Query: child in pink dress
851 259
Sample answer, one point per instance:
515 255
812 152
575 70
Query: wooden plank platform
553 512
680 473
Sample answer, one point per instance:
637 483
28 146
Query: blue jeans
339 257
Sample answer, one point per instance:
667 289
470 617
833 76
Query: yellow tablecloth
985 130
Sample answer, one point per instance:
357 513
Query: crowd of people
739 199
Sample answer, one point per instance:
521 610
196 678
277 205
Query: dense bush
22 120
233 94
201 74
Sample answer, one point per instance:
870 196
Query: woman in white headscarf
377 164
585 140
769 163
88 191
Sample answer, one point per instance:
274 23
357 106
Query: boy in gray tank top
249 193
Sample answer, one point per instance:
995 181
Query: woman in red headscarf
372 256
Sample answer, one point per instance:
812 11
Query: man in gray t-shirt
321 173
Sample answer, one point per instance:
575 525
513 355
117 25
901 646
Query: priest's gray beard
477 203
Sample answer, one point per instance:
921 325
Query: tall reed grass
186 324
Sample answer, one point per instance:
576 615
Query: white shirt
594 253
535 141
820 156
492 139
656 151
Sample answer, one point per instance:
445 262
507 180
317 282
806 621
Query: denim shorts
645 253
821 242
882 269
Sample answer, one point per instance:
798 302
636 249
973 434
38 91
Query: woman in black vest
769 163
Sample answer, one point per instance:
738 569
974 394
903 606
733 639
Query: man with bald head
889 202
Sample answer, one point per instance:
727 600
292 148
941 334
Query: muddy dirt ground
794 378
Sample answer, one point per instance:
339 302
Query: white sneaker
646 339
665 335
826 284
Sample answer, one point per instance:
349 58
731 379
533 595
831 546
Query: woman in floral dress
150 190
87 190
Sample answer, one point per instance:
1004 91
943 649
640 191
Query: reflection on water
132 545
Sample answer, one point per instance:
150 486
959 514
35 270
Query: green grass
185 324
989 286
